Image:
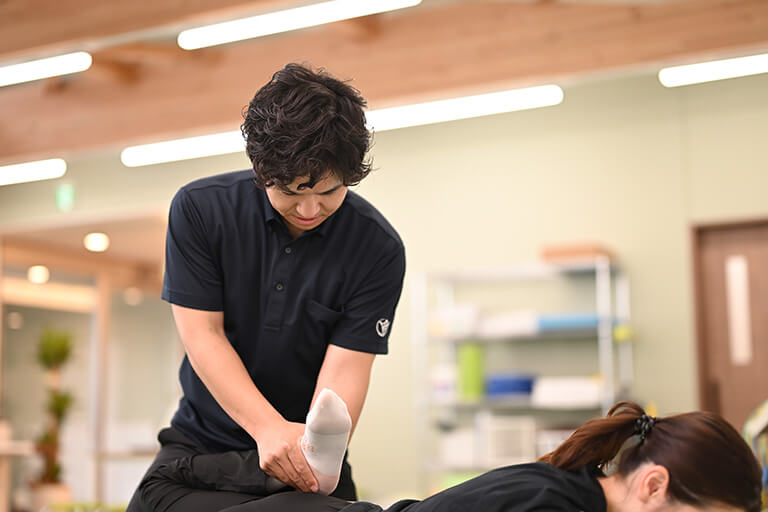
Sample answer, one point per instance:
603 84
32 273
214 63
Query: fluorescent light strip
464 108
380 120
183 149
286 20
44 68
714 70
32 171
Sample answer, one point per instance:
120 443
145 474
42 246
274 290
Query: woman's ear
653 484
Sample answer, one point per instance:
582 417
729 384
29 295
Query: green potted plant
53 351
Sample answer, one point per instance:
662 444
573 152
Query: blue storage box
509 384
567 322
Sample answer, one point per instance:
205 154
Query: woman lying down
624 462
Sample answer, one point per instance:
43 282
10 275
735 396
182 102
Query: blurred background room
585 219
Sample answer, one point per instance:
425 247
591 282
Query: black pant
184 478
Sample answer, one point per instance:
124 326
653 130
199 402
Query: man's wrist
268 421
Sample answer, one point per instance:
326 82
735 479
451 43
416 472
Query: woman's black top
525 487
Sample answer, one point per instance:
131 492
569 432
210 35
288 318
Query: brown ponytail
598 441
707 460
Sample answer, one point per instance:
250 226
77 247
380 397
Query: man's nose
308 207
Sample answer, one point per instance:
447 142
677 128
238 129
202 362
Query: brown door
731 274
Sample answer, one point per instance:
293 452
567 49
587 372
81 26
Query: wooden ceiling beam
41 27
123 272
409 55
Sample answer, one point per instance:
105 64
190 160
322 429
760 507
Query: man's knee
154 494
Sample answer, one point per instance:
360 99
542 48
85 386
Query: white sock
325 439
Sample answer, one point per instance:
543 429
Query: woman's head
706 463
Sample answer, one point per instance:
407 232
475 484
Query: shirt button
279 287
288 250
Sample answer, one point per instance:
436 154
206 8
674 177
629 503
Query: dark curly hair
306 123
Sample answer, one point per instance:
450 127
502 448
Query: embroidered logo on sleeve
382 326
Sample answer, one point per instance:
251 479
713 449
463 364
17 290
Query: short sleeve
368 315
192 277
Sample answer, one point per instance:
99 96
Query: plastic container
470 358
509 384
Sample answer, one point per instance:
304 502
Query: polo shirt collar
270 214
323 228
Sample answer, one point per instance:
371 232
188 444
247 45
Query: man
282 283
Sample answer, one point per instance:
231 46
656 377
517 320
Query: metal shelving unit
433 291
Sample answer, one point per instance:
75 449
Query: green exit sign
65 197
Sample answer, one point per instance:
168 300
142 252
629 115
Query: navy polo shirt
284 300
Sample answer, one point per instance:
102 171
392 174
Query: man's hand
280 455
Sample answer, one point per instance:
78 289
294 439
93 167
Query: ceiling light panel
183 149
714 70
45 68
464 107
32 171
286 20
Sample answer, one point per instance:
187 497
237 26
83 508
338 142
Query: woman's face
646 490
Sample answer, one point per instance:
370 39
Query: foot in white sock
325 439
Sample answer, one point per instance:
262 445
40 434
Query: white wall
624 162
144 356
141 391
25 398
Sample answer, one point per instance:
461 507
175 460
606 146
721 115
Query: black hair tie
643 426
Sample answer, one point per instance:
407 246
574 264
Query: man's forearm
348 374
223 373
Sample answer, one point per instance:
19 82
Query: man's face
304 208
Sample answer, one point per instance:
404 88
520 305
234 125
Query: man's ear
654 481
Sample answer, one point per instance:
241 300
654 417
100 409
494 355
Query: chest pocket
318 325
